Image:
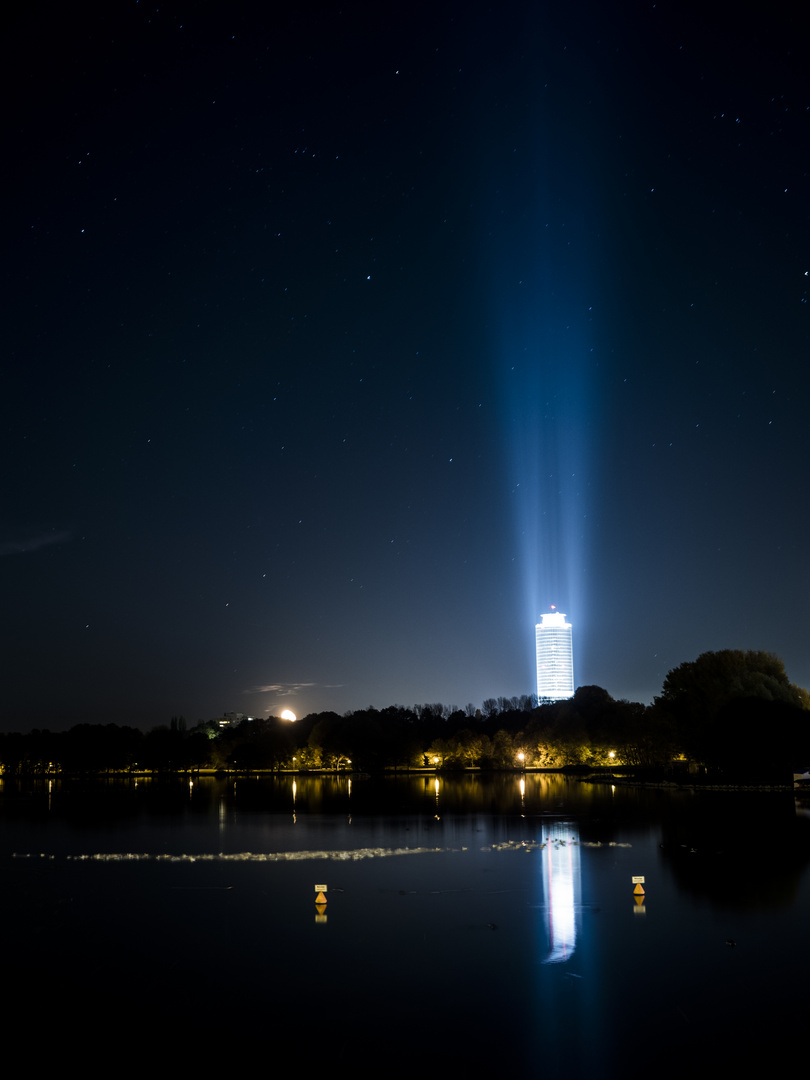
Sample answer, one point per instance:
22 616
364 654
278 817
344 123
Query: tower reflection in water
561 888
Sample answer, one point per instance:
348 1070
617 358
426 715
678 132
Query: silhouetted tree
733 705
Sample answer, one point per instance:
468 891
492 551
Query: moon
288 714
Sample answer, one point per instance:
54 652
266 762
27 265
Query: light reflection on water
561 888
468 922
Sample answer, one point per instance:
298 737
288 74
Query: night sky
339 344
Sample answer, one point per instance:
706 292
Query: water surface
474 924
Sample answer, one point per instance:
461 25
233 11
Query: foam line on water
353 855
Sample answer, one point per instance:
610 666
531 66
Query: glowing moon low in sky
288 714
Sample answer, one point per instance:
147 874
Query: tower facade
555 657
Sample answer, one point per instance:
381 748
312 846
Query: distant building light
555 657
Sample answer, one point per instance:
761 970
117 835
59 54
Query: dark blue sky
338 346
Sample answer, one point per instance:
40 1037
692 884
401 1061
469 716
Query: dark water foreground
477 927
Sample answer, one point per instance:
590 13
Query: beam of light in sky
545 409
542 252
542 339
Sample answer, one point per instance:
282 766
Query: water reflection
493 914
561 889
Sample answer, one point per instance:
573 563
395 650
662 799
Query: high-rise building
555 657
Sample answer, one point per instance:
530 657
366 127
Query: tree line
729 711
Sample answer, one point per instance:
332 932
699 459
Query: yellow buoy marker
638 886
321 891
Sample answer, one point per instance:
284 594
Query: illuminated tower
555 657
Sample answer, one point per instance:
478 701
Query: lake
472 923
